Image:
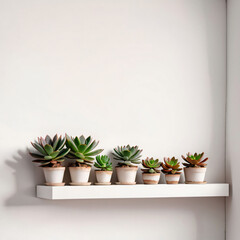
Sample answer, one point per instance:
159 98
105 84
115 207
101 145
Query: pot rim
194 167
81 167
103 171
53 168
129 167
173 174
151 173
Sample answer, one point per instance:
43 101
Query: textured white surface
133 191
140 72
79 175
195 174
54 175
103 176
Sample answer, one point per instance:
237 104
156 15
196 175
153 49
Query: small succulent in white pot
127 158
171 169
50 154
81 150
104 170
195 168
151 173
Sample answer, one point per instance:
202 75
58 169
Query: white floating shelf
133 191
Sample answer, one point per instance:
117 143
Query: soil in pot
126 174
54 176
151 178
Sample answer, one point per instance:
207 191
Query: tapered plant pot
103 177
195 174
172 178
151 178
126 175
54 176
79 175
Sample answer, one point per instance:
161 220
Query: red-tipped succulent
194 160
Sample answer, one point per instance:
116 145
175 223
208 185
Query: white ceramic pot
151 178
54 175
79 174
194 174
103 176
172 178
127 175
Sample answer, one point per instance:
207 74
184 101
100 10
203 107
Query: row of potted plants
51 152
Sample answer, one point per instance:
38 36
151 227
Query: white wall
147 72
233 119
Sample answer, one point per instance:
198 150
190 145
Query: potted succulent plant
104 170
172 170
151 174
81 149
126 157
50 154
195 168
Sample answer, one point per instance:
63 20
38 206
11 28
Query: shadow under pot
195 175
103 177
151 178
172 178
54 176
80 175
126 175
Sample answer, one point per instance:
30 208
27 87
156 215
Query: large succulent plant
194 160
126 155
81 149
171 166
151 165
103 163
50 152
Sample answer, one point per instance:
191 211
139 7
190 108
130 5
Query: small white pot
79 174
151 178
172 178
103 176
127 175
194 174
54 175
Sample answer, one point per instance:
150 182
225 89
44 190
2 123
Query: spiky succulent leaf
82 148
151 165
171 166
127 155
103 163
50 151
194 160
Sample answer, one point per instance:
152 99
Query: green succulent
50 152
171 166
81 149
151 165
127 155
194 160
103 163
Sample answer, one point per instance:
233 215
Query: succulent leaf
171 166
81 149
150 165
49 151
194 160
39 148
127 155
48 148
103 163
